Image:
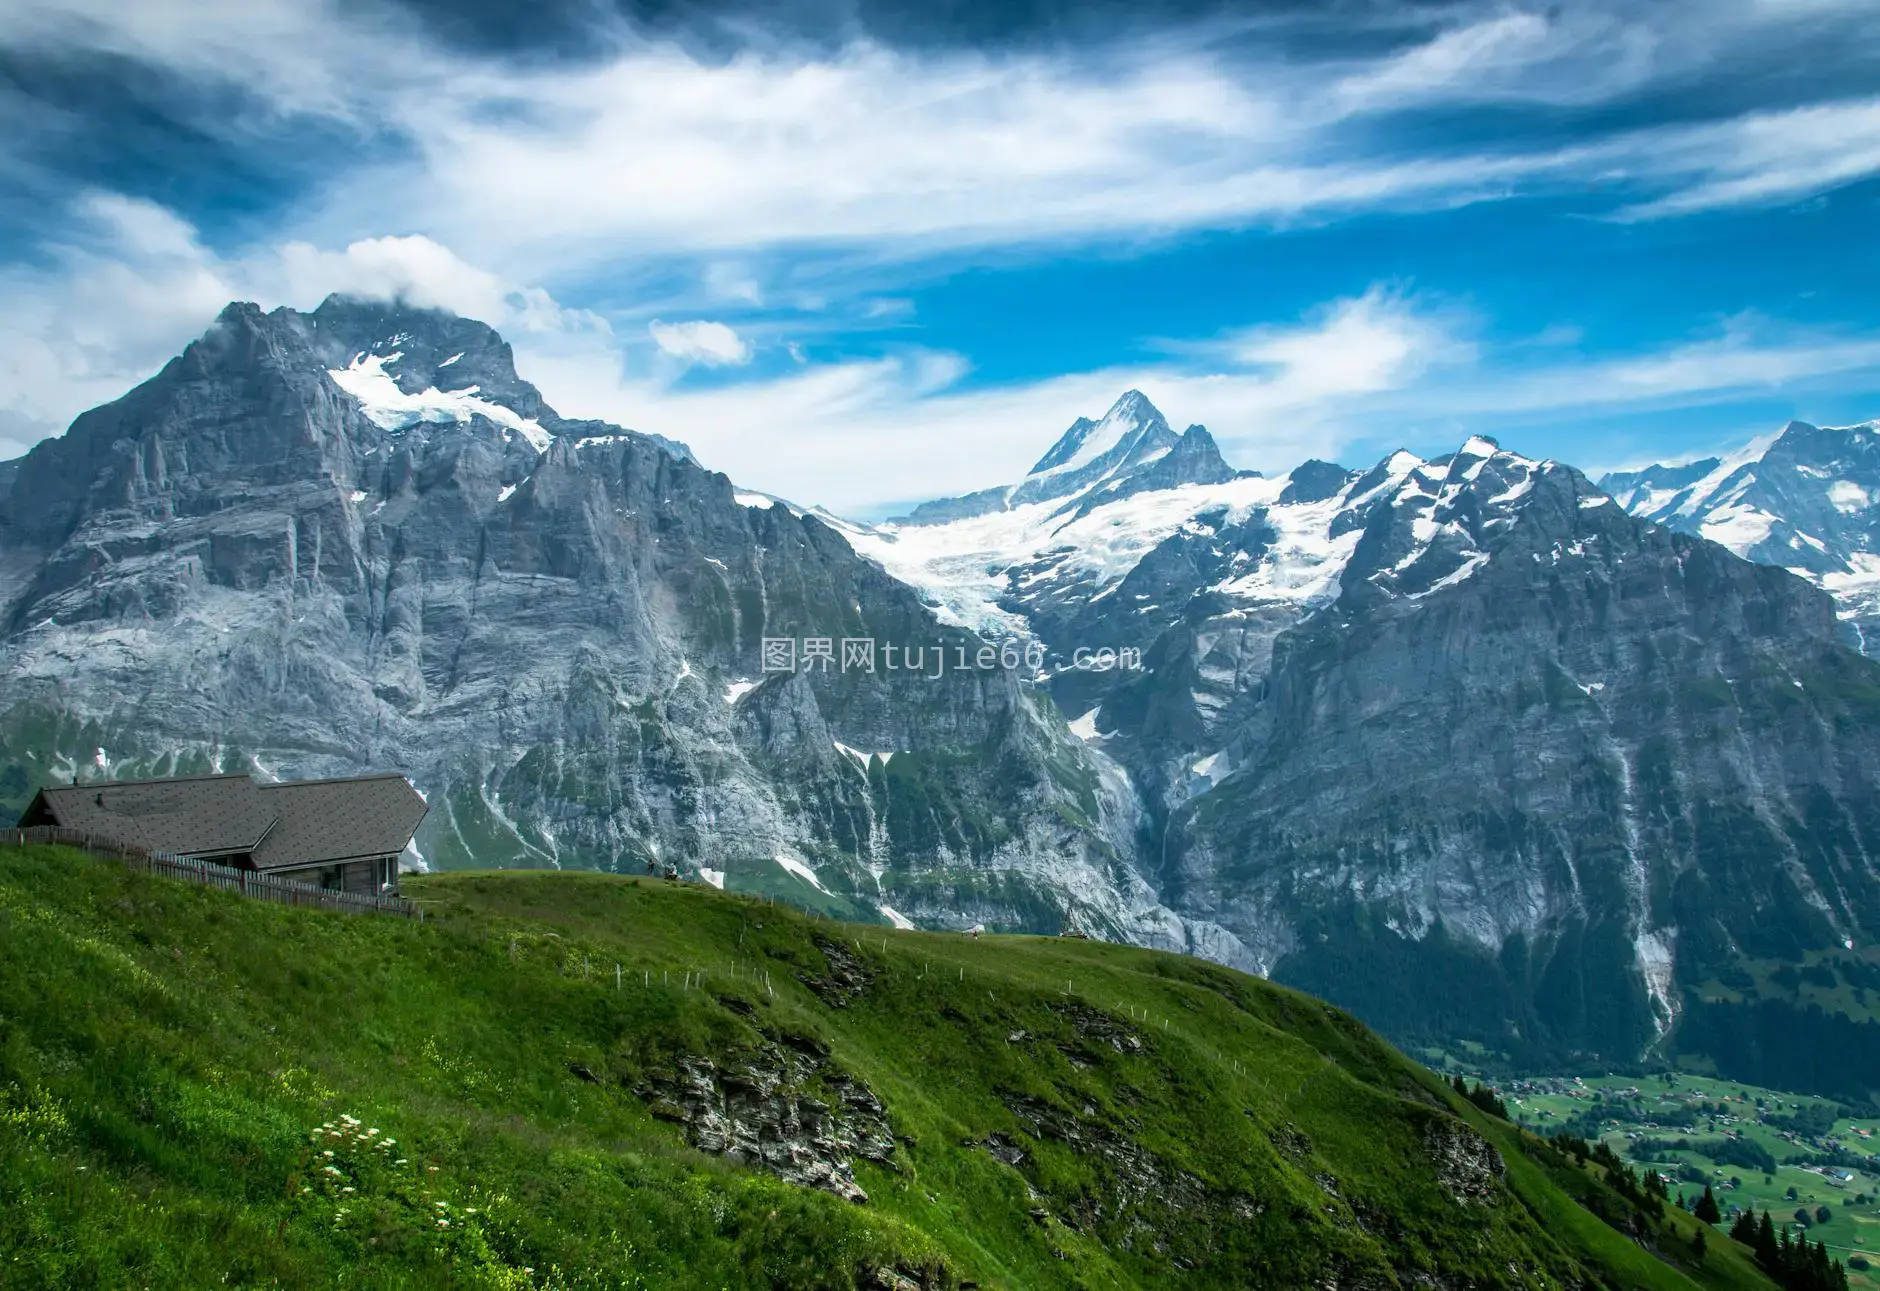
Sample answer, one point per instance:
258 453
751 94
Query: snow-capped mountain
1457 728
1806 498
1130 450
1123 526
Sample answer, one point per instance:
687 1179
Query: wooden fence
265 887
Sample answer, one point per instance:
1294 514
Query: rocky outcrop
1095 1027
1468 1166
846 978
781 1108
1135 1186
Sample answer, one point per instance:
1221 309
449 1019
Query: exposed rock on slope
781 1108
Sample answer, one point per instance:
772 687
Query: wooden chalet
345 835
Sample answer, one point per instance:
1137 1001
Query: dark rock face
1315 481
846 979
780 1109
1467 1165
1568 763
316 543
1135 1185
1096 1027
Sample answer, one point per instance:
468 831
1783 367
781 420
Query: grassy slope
168 1056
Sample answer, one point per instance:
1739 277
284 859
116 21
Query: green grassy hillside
536 1086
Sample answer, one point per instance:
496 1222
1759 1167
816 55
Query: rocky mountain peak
1132 432
421 348
1131 449
1806 498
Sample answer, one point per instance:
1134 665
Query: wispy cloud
130 283
700 341
1358 375
1759 159
1559 56
545 171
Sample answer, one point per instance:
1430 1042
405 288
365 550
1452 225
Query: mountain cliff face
1807 499
1460 743
1567 764
315 543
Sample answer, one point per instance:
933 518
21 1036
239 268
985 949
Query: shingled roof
322 821
204 815
290 825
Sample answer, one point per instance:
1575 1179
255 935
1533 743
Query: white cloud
857 434
1356 374
131 284
725 280
1762 158
1751 354
1559 57
545 172
1374 342
700 341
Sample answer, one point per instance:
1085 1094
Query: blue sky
860 253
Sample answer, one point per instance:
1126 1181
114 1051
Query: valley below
1813 1163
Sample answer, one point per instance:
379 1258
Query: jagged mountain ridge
1806 498
1458 743
355 537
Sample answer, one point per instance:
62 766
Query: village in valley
1810 1162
